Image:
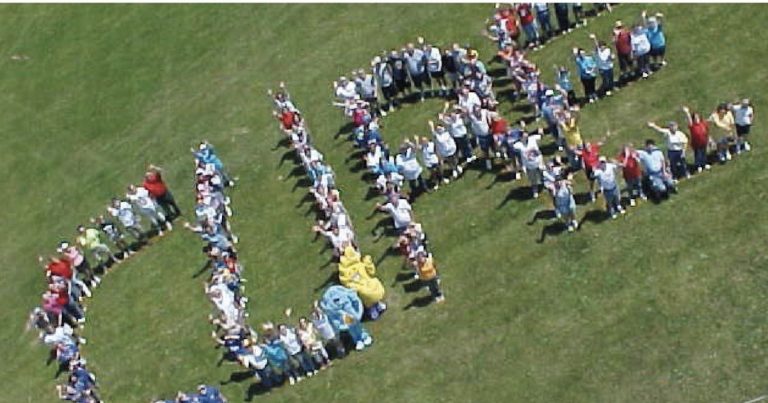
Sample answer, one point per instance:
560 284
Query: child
428 276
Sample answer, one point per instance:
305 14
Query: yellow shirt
725 123
572 134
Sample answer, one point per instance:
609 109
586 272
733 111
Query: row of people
203 394
74 271
534 19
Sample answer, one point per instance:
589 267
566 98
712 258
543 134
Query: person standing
408 166
446 149
743 115
604 59
435 69
656 170
416 62
629 161
542 16
565 204
587 68
528 21
90 239
605 173
153 182
139 196
427 273
563 22
384 77
656 38
641 48
723 119
533 162
699 130
676 144
623 44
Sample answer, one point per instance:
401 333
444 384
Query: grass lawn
667 304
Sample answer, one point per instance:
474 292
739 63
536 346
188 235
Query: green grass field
666 304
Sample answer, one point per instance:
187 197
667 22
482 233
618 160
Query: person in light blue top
656 170
587 68
656 37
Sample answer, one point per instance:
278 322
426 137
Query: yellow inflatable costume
359 275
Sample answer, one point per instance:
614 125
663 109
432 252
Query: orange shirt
427 270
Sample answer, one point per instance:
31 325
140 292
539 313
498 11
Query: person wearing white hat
605 173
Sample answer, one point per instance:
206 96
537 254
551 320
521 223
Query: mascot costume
359 275
345 309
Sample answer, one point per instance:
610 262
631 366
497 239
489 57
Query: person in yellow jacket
360 275
428 276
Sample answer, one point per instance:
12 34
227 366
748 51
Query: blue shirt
656 36
564 80
586 66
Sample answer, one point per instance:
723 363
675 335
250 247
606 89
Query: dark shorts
437 74
589 172
742 130
625 61
389 92
402 85
484 142
420 79
660 51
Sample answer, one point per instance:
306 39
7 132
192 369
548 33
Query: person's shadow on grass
519 193
419 302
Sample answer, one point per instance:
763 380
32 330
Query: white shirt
141 198
456 126
480 125
446 146
373 158
290 342
532 158
675 141
62 334
469 101
343 238
346 92
428 154
409 165
401 213
124 213
640 43
434 60
606 176
743 115
604 58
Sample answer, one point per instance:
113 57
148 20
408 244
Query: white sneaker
383 113
169 226
645 75
608 93
707 167
747 147
728 155
644 197
460 169
622 211
436 187
455 174
160 233
535 195
699 169
663 62
446 181
97 279
591 100
291 380
488 165
235 239
632 202
575 224
359 346
518 176
613 216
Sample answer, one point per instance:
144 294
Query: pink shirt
73 255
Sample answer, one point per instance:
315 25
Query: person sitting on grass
656 170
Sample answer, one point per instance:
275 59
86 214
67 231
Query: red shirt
63 297
623 43
287 119
631 165
154 184
358 117
699 134
591 155
61 268
499 126
524 11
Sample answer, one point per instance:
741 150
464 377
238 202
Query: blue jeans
531 35
700 157
612 200
677 160
544 23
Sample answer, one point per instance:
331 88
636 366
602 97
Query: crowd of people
470 127
75 270
284 352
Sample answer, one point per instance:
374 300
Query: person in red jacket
590 157
699 129
633 174
622 41
153 182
